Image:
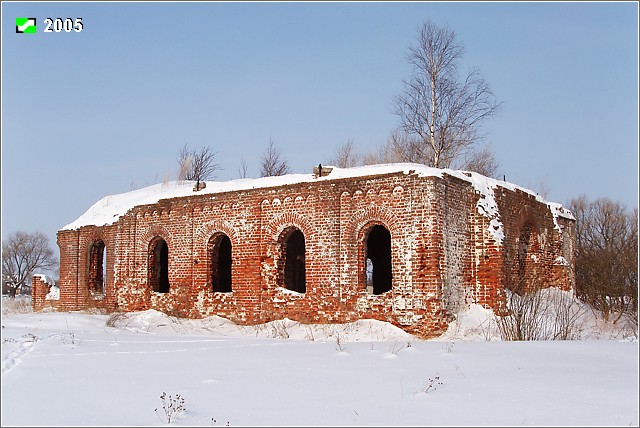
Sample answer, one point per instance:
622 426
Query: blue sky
105 110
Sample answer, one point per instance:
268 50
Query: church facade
400 243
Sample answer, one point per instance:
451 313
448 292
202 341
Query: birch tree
439 113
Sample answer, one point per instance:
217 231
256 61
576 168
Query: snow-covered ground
87 369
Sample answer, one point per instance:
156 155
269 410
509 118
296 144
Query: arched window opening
220 263
377 269
97 267
292 260
159 265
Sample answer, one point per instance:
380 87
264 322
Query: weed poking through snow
339 345
395 347
432 384
172 406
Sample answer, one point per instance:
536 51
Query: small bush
116 318
279 330
16 305
547 314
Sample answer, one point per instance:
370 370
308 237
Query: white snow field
80 369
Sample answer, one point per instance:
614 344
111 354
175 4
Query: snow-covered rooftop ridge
110 208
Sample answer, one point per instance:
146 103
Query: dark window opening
159 265
220 256
293 250
377 270
97 267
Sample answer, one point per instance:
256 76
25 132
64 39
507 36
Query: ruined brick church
401 243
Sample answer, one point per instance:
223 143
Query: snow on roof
46 279
110 208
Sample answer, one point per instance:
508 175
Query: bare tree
373 157
242 171
541 187
271 163
22 254
482 161
196 165
607 256
440 114
346 156
401 147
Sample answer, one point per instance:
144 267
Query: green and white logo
25 25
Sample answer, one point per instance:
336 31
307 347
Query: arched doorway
292 265
97 267
159 265
220 263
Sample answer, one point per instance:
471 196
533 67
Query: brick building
401 243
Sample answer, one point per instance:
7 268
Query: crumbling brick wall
442 252
42 297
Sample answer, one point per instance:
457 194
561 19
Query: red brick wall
442 255
39 290
521 213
